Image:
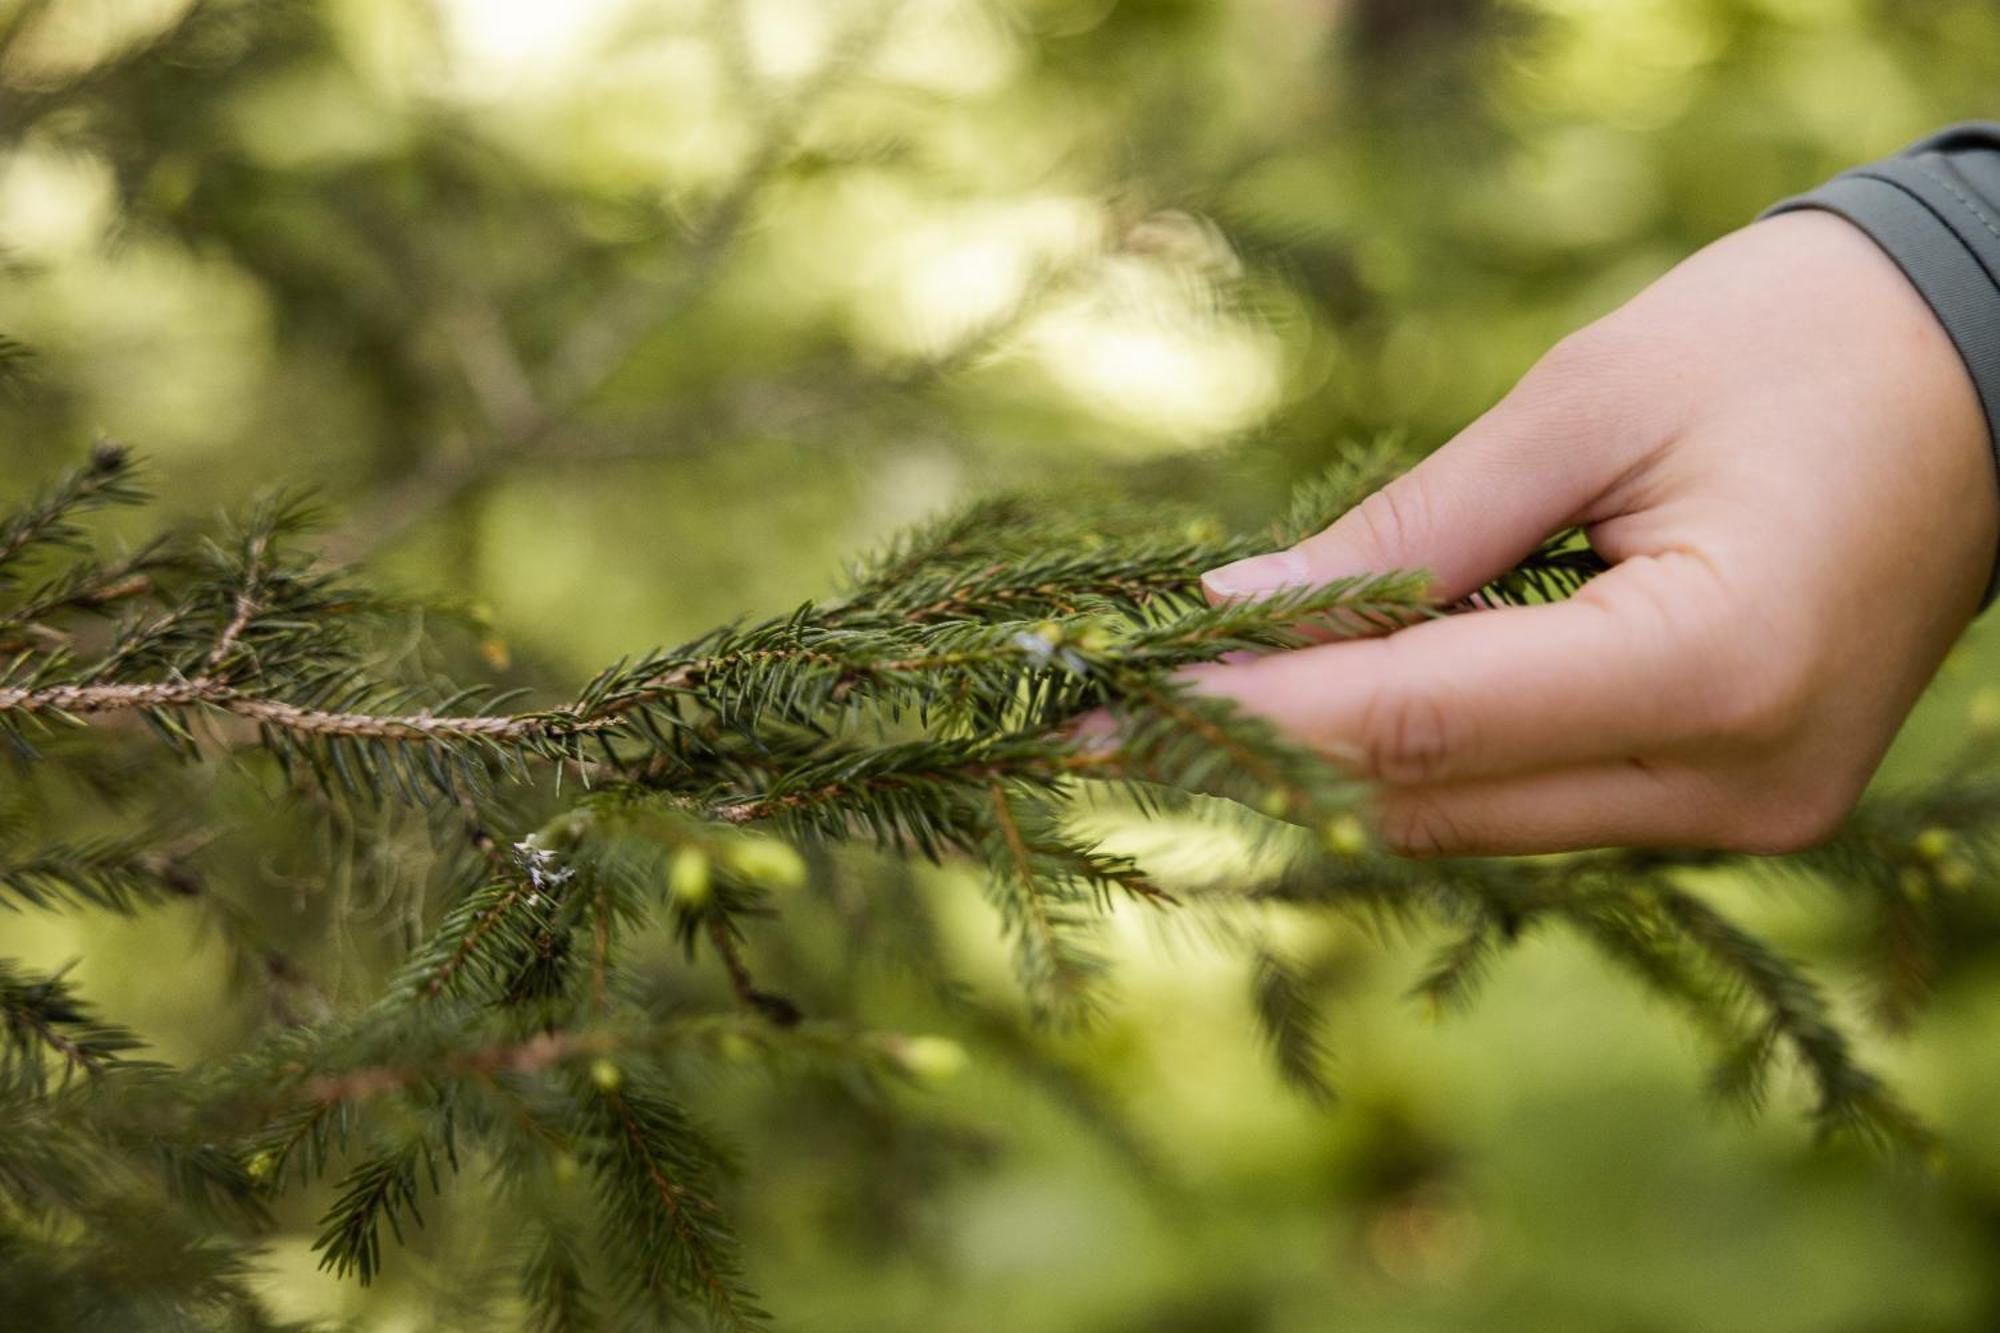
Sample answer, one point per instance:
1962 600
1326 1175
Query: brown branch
1024 867
74 700
422 726
114 583
246 605
525 1057
670 1194
740 980
532 1055
83 700
73 1055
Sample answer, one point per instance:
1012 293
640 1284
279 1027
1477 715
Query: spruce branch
50 518
1450 982
554 1283
973 690
1553 571
118 875
1849 1097
87 586
1037 898
381 1191
44 1021
1357 471
1292 1024
655 1175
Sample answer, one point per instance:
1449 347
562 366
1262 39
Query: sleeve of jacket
1934 208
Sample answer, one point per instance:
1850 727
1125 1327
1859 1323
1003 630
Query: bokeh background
613 319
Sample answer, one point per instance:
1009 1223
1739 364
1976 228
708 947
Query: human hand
1784 460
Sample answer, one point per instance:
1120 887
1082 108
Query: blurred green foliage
616 318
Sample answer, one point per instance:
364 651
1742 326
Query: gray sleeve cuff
1935 210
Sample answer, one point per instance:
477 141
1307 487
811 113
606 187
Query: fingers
1637 663
1606 805
1628 804
1471 510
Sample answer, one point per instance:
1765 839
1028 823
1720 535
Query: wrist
1922 285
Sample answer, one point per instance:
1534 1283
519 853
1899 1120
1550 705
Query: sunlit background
616 319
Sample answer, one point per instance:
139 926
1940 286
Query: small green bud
1274 804
564 1167
688 879
930 1060
261 1166
767 861
1049 632
1956 874
1345 835
1934 844
1985 712
1203 530
735 1048
605 1074
1095 639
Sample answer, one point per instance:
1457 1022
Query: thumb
1467 513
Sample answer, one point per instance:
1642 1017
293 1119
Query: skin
1781 454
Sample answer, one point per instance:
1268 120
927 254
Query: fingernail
1258 575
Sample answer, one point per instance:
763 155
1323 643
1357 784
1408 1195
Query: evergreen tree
520 1041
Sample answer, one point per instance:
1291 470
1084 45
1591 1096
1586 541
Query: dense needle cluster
521 1030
